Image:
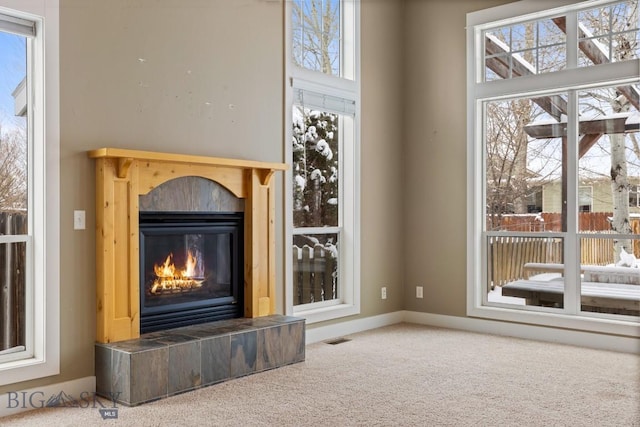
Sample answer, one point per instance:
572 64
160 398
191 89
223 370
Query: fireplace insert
190 268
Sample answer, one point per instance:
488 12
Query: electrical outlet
418 291
383 293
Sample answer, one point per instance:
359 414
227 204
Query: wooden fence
315 272
12 281
508 254
547 221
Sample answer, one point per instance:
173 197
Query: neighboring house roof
20 98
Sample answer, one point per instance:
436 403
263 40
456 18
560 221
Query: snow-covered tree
315 168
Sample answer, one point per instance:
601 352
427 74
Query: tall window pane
13 192
525 188
316 204
609 161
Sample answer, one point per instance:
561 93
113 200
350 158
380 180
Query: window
322 184
585 199
15 239
553 102
29 314
634 196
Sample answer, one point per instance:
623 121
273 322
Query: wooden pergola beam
586 127
554 105
597 56
586 142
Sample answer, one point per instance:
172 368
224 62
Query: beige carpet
403 375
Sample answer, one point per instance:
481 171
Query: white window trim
44 307
562 80
348 303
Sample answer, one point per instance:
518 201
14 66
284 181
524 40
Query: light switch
78 220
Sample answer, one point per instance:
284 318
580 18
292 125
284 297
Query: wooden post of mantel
121 177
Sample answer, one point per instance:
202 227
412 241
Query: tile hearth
164 363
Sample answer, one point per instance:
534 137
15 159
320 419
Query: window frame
348 88
570 80
42 355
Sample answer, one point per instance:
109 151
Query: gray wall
435 168
205 77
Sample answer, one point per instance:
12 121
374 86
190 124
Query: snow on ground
496 296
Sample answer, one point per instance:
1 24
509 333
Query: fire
170 278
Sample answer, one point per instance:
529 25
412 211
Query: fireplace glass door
190 268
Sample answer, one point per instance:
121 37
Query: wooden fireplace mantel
121 177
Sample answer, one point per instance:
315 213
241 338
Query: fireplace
127 184
184 239
190 268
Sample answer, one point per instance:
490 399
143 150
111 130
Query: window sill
27 369
315 315
628 328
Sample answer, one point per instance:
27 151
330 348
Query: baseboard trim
531 332
82 390
323 333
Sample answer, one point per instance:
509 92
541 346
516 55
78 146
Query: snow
298 118
627 259
334 174
300 182
316 174
515 56
589 35
311 134
496 296
323 148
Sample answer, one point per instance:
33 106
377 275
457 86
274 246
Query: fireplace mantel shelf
125 158
122 176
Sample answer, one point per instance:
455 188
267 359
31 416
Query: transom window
613 29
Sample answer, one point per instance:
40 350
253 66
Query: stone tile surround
161 364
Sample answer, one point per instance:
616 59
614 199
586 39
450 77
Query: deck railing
509 254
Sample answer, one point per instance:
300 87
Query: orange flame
170 278
191 266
